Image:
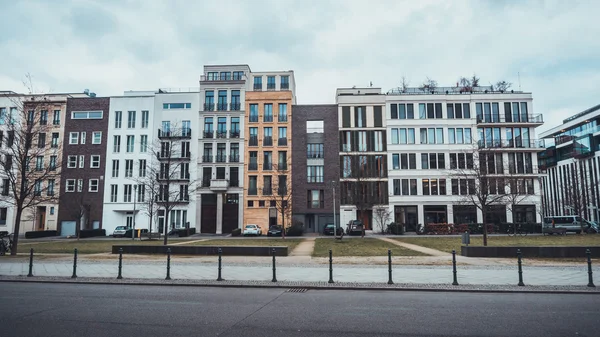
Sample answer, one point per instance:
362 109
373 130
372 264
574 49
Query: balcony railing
267 191
282 118
282 166
222 107
257 86
219 184
208 134
511 143
235 106
314 155
163 154
497 118
221 134
221 158
253 118
209 106
282 141
234 134
285 86
234 158
561 139
315 204
268 141
207 159
253 141
346 148
268 118
252 166
267 166
270 86
175 133
217 77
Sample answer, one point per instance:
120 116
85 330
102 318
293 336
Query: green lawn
290 243
447 244
359 247
83 246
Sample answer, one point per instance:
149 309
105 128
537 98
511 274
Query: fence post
74 264
454 279
274 270
30 263
330 266
390 267
520 268
120 276
589 262
219 278
168 264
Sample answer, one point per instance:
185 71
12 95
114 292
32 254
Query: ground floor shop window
435 214
465 214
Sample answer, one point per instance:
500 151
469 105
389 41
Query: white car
120 231
252 230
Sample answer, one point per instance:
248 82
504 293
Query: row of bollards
274 279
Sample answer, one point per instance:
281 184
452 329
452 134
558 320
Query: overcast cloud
111 46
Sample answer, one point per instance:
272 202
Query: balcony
209 106
181 133
252 166
234 134
257 86
207 159
222 107
221 134
512 144
270 86
253 141
175 178
219 184
208 134
253 119
285 86
221 158
512 119
216 78
234 159
282 142
172 156
268 141
235 106
267 191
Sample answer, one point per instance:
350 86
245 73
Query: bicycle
517 229
6 243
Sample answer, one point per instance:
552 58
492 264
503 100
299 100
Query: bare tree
404 83
356 186
27 129
474 81
503 86
578 190
383 215
81 212
429 85
281 192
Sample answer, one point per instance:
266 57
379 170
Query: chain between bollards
30 263
219 278
390 267
590 274
168 264
274 270
520 268
330 266
74 264
120 276
454 278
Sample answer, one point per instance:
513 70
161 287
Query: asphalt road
48 310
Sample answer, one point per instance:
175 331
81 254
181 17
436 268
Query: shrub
40 234
236 232
396 229
183 232
297 229
90 233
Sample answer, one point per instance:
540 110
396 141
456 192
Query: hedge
90 233
40 234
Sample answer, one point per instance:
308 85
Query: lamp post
134 204
335 227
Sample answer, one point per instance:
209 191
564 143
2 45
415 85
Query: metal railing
267 191
221 158
282 118
285 86
221 106
234 134
221 134
207 159
267 166
208 134
235 106
252 166
234 158
252 191
209 106
511 143
175 133
315 204
282 141
257 86
253 141
270 86
268 141
253 119
268 118
497 118
315 155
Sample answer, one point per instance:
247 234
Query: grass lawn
360 247
290 243
83 246
447 244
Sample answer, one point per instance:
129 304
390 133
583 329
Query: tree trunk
16 230
166 231
485 232
150 224
282 220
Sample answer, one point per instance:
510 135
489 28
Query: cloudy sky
110 46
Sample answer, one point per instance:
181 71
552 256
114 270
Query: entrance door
67 228
161 221
41 220
407 216
208 218
129 220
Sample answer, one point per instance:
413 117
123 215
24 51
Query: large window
459 135
432 135
315 174
253 118
268 113
463 186
145 115
434 186
130 143
314 150
282 116
404 161
315 198
86 115
405 186
461 161
433 161
131 119
168 106
458 110
402 111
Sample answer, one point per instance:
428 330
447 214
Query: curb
309 286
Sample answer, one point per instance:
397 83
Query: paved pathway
424 250
304 248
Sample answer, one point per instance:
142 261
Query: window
434 186
378 144
459 135
285 82
3 215
142 168
96 137
314 127
432 135
83 137
404 161
282 141
463 186
433 161
238 75
268 113
362 141
253 118
252 185
143 143
39 163
93 185
257 82
95 161
458 110
360 117
79 185
56 117
235 127
141 193
225 76
37 187
282 160
130 119
250 202
41 140
128 168
74 138
54 143
222 100
116 144
267 160
70 186
115 168
81 161
72 161
167 106
118 119
30 117
114 191
86 115
314 174
127 193
145 115
315 198
314 150
461 161
402 111
44 117
5 187
50 189
282 115
130 143
270 82
405 186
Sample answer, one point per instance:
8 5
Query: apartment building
363 156
434 133
221 161
82 170
268 145
571 166
315 154
132 136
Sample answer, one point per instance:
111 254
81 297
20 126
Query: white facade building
432 135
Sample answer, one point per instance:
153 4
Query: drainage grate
296 290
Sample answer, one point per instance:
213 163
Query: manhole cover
297 290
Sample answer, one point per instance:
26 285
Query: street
37 309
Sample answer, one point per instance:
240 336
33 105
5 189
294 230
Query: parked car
120 231
143 231
329 229
252 230
354 227
275 231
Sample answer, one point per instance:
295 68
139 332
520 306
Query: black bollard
219 278
120 276
454 279
390 267
74 264
330 266
274 270
30 263
589 261
168 264
520 268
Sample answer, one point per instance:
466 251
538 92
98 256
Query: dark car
354 227
274 231
329 228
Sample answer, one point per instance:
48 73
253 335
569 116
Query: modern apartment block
268 146
82 173
363 156
571 183
221 161
435 133
315 154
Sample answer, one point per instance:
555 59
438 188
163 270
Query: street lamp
134 204
335 227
